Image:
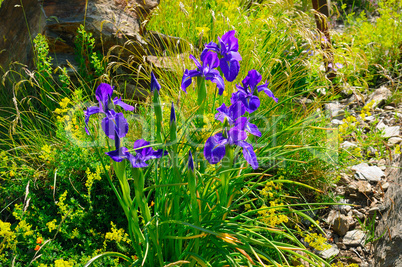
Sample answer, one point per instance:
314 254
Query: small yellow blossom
52 225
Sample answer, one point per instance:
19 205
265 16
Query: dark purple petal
235 135
229 68
90 111
250 102
119 154
244 124
264 87
249 154
214 149
104 93
115 123
190 161
210 46
136 161
210 62
108 127
140 143
216 78
119 102
154 83
187 78
232 113
230 41
252 79
196 62
146 153
172 114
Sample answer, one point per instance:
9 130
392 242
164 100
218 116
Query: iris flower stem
119 198
192 185
202 96
120 170
141 201
227 163
158 115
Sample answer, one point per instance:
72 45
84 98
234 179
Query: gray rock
335 109
394 141
364 187
369 119
370 173
347 145
341 224
388 249
337 122
391 131
354 238
329 253
379 96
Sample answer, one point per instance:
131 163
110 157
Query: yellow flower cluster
61 111
62 206
270 188
51 225
63 263
202 30
340 264
47 153
316 241
398 150
366 110
270 216
117 235
91 177
350 124
7 236
25 228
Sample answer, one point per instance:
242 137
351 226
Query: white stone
329 253
391 131
348 144
379 96
354 238
370 173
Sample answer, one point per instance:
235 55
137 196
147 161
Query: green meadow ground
58 204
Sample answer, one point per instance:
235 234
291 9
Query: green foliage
90 61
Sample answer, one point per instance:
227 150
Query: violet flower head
154 83
231 113
142 155
247 93
228 48
113 122
190 161
172 114
207 70
215 146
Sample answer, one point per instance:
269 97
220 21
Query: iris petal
214 149
249 154
90 111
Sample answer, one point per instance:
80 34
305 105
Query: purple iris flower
207 70
228 48
230 113
114 124
142 154
233 114
247 93
154 83
215 146
190 161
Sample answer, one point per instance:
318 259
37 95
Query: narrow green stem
202 96
227 163
158 115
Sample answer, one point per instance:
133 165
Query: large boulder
112 22
388 249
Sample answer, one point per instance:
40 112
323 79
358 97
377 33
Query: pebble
354 238
329 253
